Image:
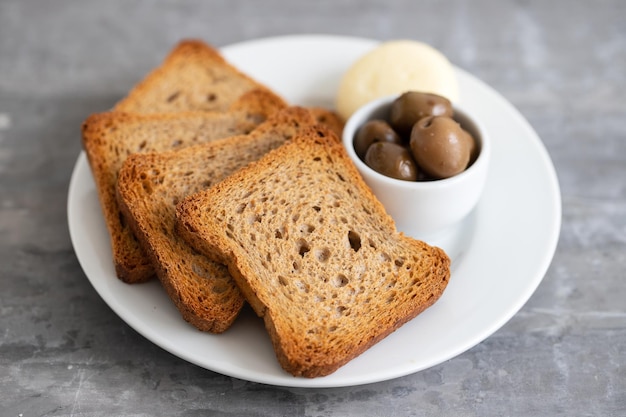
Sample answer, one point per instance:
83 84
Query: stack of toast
228 194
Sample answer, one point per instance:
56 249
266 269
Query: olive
371 132
392 160
440 146
412 106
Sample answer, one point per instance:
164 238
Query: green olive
440 146
412 106
392 160
371 132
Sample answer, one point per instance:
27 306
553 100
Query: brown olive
440 146
371 132
412 106
392 160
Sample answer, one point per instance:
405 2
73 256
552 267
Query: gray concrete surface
64 352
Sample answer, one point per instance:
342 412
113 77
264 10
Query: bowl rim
365 112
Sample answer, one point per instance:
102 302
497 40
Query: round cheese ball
395 67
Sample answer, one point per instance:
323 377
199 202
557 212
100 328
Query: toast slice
314 253
150 185
193 77
109 138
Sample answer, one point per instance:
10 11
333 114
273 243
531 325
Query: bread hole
175 201
142 145
341 311
341 178
254 218
399 262
295 217
240 208
296 266
355 240
322 254
317 208
371 244
340 281
211 97
383 257
173 96
307 228
302 286
253 237
282 280
343 220
279 233
317 159
366 210
176 143
332 328
391 297
303 247
320 298
336 204
147 186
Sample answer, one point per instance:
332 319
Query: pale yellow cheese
395 67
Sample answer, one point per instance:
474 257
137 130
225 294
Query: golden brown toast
314 253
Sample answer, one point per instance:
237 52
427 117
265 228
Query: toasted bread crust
109 138
314 253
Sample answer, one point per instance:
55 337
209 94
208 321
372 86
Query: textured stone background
562 63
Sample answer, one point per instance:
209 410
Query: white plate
500 253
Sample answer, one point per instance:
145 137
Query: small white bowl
424 208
